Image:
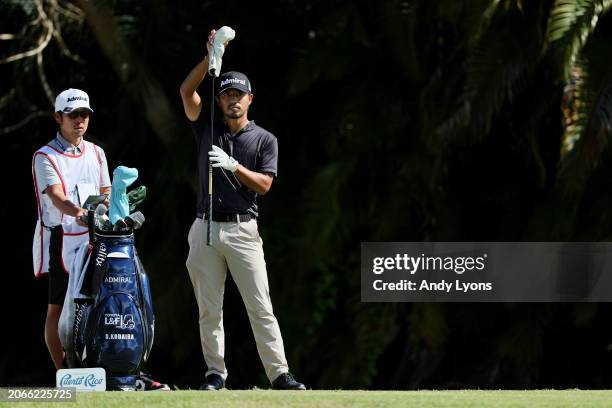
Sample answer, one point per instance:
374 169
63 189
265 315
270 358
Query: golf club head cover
136 197
101 209
100 214
123 177
223 35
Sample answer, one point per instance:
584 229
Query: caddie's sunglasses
74 114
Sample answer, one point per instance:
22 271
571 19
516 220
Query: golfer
66 171
244 158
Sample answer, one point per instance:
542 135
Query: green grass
335 399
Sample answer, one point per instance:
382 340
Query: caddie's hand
81 217
221 159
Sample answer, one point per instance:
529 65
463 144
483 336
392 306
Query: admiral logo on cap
72 99
233 80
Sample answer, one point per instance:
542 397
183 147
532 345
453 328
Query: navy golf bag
113 323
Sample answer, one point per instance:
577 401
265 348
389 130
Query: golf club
223 36
120 226
210 169
135 220
100 216
94 200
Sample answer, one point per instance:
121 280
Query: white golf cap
72 99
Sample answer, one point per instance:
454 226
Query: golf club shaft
210 203
91 224
210 169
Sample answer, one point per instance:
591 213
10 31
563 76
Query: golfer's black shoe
213 382
286 381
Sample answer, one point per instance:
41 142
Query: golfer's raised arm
192 102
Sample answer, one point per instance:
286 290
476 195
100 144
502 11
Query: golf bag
109 316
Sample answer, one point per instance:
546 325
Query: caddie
66 171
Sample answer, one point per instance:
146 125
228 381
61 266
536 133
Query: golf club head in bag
136 197
135 220
120 225
100 216
93 200
101 210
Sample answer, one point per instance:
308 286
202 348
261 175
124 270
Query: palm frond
479 19
600 123
495 74
589 137
457 120
400 34
587 111
570 23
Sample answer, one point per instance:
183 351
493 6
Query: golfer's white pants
237 246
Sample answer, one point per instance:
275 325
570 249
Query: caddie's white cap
71 99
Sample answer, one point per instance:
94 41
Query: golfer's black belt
221 217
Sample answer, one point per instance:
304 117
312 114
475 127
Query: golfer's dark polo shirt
253 147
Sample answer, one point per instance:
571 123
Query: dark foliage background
397 121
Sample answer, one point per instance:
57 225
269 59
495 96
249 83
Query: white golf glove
221 159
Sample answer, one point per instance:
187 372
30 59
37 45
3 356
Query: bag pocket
116 336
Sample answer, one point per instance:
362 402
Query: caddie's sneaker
144 382
213 382
286 381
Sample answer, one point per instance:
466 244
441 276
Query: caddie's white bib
79 174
